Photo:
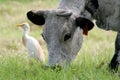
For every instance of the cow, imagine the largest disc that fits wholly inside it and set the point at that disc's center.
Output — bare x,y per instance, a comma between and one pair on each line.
65,26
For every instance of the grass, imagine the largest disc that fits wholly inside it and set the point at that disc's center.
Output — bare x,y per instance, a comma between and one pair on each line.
98,48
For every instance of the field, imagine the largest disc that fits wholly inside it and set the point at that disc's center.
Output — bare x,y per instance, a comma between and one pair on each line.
90,64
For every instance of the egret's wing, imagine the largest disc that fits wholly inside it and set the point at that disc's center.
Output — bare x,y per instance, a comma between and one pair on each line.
34,49
31,47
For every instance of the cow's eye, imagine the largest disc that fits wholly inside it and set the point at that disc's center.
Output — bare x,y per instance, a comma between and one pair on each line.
43,36
67,36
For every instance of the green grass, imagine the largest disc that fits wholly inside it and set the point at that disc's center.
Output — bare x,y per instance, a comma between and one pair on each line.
90,64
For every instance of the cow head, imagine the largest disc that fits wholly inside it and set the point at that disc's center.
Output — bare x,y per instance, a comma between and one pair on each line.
63,33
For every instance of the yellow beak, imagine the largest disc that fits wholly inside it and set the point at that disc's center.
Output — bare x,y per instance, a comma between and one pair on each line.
20,25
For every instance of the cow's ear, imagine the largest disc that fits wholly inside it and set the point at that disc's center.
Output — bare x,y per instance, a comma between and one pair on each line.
36,17
85,24
92,6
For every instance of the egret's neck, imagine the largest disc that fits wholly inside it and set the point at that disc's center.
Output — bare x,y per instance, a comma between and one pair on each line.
25,33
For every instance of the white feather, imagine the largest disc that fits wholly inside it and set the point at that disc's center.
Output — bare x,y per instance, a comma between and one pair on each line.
33,47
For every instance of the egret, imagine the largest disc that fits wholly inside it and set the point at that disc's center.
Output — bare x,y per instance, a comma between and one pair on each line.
33,47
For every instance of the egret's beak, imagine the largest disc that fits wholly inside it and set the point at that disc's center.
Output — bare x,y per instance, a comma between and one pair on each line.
20,25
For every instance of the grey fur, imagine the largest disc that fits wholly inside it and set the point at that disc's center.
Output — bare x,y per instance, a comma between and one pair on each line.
108,15
54,30
59,22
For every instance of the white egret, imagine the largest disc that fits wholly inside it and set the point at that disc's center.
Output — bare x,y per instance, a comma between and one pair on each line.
33,47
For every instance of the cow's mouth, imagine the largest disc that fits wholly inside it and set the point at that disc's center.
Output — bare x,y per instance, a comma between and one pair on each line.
55,67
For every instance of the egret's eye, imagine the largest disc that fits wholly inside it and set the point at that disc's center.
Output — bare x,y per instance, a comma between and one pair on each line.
67,36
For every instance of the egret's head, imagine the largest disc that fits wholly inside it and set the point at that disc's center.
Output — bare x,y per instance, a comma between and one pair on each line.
25,26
